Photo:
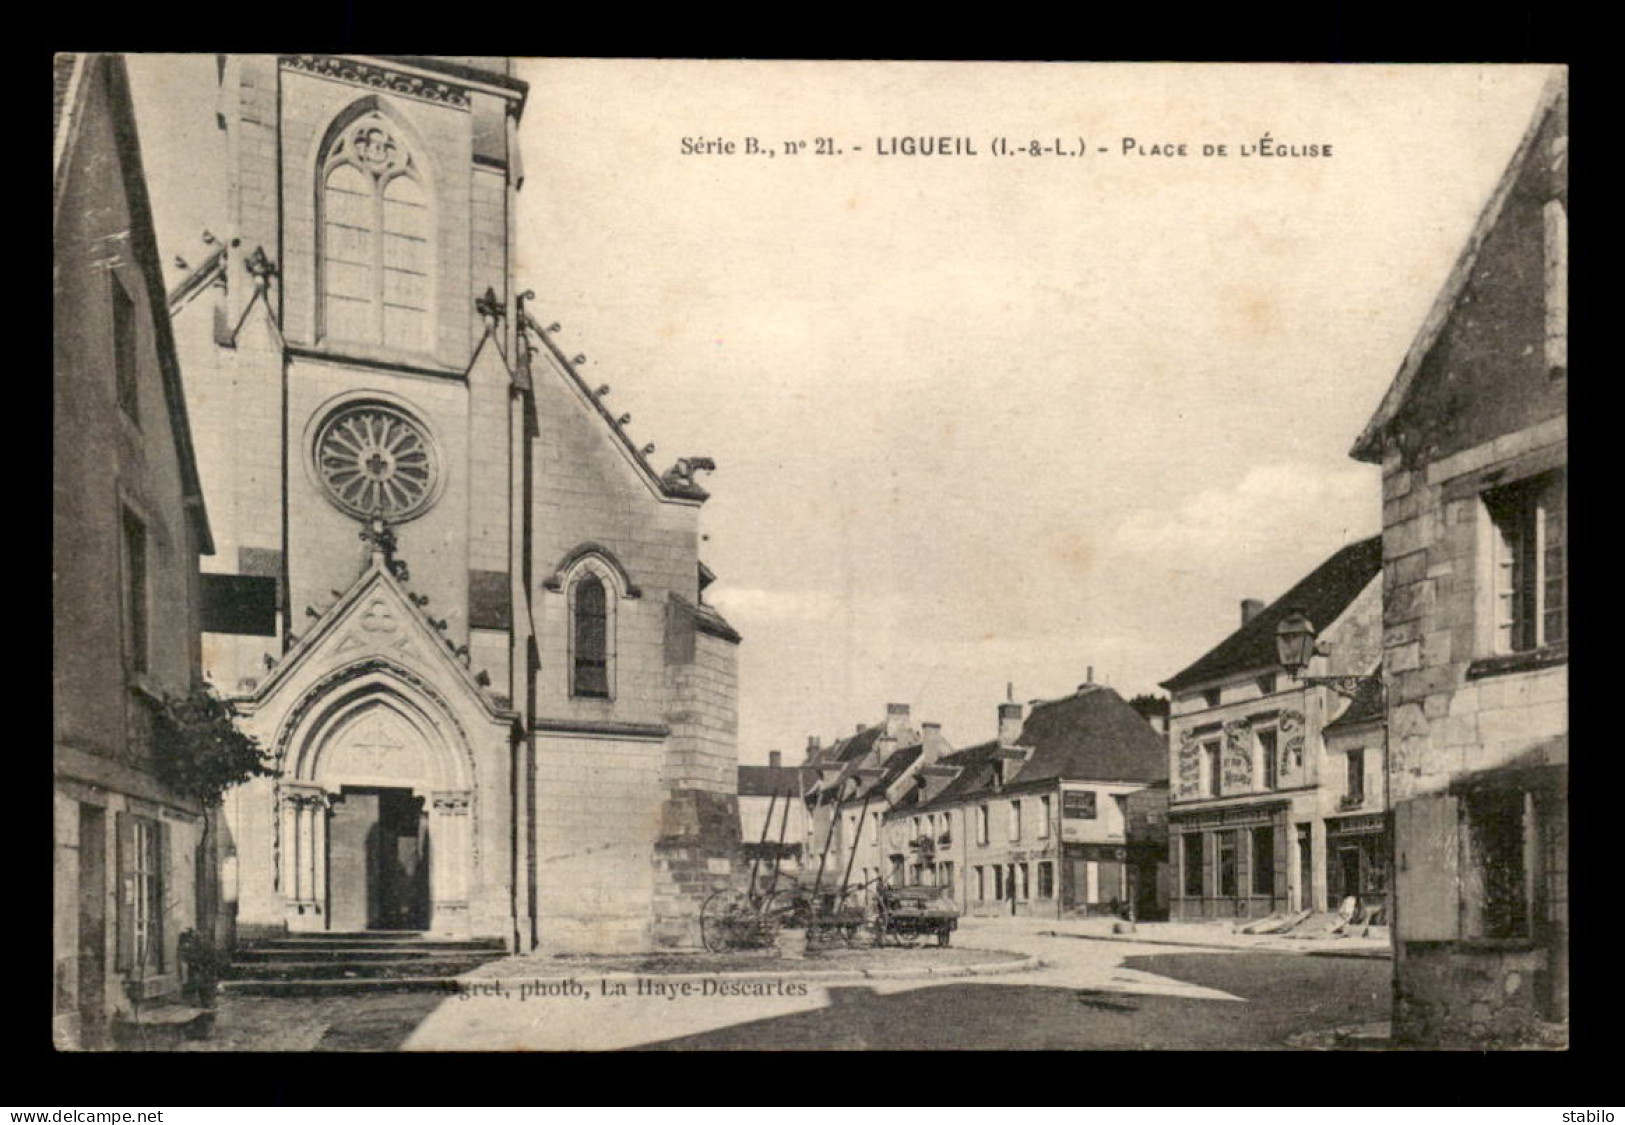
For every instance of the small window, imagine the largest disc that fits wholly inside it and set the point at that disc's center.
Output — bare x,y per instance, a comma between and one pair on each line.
998,882
1356,777
1531,563
1266,684
1078,804
1264,860
1046,879
1268,764
981,824
981,884
1015,821
1211,697
135,591
1024,889
125,352
1045,811
1192,855
591,651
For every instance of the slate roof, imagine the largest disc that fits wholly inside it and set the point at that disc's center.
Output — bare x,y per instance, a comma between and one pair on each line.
1092,735
1323,596
769,781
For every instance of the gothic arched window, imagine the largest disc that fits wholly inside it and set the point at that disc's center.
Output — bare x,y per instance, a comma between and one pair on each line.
375,260
589,656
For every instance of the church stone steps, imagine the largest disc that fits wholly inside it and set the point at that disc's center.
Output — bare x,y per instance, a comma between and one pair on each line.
446,966
369,961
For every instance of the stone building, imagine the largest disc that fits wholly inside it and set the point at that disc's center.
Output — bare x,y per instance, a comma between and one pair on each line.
455,599
1263,816
1061,813
773,821
128,527
858,780
1472,439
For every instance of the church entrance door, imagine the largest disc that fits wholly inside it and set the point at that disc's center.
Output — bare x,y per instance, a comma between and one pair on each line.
378,860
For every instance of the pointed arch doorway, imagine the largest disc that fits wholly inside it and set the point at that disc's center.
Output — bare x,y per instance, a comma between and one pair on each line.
375,825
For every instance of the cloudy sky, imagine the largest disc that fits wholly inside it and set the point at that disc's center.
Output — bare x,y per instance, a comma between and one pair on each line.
979,419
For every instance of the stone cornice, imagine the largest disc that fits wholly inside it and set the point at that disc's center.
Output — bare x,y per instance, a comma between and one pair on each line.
374,77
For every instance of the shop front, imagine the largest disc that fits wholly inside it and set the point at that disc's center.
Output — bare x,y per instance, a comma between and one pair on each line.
1232,862
1357,851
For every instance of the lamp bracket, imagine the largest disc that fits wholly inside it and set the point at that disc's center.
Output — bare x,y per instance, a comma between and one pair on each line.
1346,686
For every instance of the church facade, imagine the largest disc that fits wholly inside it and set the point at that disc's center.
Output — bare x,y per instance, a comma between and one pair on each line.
459,605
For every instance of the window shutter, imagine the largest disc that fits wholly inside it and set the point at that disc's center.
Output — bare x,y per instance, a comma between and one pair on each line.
1427,886
1209,845
124,884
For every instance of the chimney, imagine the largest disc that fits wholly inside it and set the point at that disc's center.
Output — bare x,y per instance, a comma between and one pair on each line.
1250,608
930,743
814,745
896,719
1009,723
775,759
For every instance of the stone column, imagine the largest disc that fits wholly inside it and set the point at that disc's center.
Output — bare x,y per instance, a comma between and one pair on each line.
303,852
450,859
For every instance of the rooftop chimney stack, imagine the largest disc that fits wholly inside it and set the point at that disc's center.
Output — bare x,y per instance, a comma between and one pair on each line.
1009,723
896,719
930,743
775,759
814,745
1250,608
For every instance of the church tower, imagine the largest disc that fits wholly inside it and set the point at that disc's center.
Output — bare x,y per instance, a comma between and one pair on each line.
461,608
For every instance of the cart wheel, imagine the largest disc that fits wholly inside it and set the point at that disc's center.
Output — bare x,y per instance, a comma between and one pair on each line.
720,917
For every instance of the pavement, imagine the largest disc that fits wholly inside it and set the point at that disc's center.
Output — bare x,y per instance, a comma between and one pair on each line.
721,1011
1223,935
1165,986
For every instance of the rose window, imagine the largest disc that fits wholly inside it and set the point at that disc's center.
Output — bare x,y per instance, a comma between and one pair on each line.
376,461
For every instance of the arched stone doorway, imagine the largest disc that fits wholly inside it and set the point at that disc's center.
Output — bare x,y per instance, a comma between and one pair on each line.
375,810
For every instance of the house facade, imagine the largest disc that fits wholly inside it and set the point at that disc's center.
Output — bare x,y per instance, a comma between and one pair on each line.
1259,809
462,608
860,778
131,869
1472,440
773,823
1062,813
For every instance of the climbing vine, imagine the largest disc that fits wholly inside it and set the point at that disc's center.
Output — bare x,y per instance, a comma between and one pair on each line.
198,750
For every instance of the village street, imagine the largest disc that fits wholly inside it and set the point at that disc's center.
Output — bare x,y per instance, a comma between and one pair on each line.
1089,994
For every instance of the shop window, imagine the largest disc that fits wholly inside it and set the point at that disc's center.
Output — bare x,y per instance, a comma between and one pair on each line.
1046,879
1531,563
1264,860
141,895
1227,863
1192,854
